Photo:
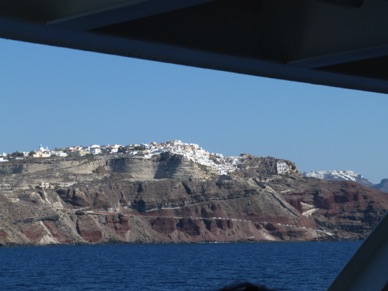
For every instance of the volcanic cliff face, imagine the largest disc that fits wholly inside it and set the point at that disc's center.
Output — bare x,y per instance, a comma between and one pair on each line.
169,197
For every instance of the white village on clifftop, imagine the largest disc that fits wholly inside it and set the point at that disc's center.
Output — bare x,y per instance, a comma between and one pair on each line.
190,151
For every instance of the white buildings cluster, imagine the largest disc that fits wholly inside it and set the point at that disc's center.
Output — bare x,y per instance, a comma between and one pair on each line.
190,151
44,152
335,175
282,167
78,151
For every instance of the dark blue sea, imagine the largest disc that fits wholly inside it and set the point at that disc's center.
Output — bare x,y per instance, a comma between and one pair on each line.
281,266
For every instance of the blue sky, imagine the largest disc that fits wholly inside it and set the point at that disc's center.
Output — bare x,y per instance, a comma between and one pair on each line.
60,97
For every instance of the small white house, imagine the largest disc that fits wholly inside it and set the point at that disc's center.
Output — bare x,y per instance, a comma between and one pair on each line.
43,149
114,150
282,167
60,154
95,151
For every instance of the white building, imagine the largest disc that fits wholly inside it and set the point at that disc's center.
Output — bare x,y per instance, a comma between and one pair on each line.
43,149
60,154
114,148
95,151
282,167
40,154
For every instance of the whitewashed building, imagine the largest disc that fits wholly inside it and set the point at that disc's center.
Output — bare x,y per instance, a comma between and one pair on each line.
60,154
95,150
282,167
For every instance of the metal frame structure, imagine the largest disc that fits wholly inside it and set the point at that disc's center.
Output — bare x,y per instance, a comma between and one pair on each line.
341,43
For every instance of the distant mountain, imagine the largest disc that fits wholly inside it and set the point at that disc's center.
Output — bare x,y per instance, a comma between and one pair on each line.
382,186
335,175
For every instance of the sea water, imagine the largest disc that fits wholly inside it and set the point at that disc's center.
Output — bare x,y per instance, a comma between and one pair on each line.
209,266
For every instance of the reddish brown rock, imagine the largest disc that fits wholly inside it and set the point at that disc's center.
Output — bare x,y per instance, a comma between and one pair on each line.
88,229
74,197
347,209
60,234
189,226
33,232
3,235
211,225
164,225
118,222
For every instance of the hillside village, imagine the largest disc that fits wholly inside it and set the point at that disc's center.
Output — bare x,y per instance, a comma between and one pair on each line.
190,151
73,151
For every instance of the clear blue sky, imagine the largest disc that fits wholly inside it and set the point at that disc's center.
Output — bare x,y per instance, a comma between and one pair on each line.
60,97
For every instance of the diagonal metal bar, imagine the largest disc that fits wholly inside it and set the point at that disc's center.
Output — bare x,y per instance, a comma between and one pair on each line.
368,268
124,13
341,58
91,41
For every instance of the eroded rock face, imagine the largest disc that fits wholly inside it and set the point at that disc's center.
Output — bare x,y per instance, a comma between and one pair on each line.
88,229
163,166
170,199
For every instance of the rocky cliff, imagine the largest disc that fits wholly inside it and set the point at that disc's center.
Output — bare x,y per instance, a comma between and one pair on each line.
168,197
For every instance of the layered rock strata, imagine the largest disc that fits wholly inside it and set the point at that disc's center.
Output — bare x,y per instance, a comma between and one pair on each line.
169,197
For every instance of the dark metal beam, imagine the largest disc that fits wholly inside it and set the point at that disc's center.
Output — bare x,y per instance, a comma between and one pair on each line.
48,10
341,58
56,36
123,13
